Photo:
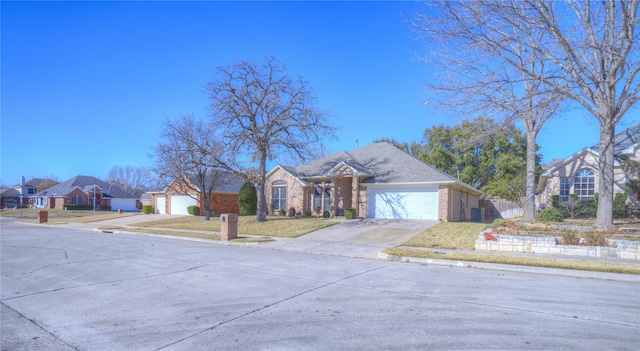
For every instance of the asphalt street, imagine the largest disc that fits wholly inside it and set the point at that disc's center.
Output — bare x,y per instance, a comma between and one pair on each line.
67,289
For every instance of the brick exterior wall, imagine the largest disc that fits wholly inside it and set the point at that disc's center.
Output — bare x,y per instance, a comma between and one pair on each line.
296,195
224,203
443,203
450,207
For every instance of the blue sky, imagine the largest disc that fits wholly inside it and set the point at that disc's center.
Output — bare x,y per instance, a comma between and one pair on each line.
86,85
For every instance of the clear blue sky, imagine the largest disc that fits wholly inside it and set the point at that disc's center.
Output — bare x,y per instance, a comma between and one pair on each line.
85,85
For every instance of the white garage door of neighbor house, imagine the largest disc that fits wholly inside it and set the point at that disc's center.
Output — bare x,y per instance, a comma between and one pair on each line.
160,205
407,203
123,204
179,203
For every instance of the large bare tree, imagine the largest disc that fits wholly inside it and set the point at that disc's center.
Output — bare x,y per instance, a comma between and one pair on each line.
483,69
594,44
263,113
589,54
188,157
135,180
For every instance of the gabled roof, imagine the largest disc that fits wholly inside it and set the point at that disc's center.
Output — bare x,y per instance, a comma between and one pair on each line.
624,140
9,192
381,162
226,183
85,183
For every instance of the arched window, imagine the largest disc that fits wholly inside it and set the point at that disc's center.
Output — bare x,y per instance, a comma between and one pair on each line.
585,184
279,195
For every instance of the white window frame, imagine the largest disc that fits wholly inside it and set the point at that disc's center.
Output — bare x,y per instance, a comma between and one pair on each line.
584,184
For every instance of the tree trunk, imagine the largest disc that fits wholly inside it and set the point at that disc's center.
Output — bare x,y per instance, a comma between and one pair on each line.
604,218
530,188
261,211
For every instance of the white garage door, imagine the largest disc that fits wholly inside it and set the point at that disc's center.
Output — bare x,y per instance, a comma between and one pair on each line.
160,205
123,204
179,203
408,203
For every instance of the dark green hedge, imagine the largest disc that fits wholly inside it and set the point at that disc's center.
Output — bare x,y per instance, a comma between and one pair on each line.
78,207
349,213
193,210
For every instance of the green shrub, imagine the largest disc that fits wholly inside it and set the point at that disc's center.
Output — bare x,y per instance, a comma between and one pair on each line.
147,209
193,210
499,222
587,208
105,208
78,207
248,200
326,214
282,212
307,213
555,201
620,205
550,214
350,213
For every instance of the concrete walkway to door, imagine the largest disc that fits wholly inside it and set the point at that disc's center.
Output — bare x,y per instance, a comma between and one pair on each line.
363,238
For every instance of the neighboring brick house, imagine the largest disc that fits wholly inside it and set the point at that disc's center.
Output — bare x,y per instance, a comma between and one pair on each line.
579,173
175,198
11,197
379,181
87,190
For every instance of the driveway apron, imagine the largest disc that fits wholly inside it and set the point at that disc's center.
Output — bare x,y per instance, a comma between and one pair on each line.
363,238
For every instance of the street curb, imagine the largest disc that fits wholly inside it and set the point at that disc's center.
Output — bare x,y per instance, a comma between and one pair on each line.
632,278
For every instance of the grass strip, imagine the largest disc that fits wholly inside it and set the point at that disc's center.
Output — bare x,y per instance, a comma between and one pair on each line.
448,235
207,236
282,227
584,265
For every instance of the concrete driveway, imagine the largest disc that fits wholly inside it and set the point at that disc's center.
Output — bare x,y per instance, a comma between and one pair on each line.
363,238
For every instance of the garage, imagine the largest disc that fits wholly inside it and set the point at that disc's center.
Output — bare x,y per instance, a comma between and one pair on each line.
123,204
406,203
160,207
178,204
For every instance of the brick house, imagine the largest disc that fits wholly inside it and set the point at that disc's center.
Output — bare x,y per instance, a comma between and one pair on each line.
378,181
176,197
579,173
86,190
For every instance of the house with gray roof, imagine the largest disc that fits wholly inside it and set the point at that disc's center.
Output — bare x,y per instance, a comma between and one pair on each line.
378,181
21,194
579,173
88,191
185,192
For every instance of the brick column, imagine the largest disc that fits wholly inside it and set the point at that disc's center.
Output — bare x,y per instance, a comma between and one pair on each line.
43,216
228,226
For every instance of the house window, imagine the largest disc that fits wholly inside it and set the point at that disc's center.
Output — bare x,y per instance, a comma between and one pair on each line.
585,184
320,202
565,186
77,200
279,195
31,191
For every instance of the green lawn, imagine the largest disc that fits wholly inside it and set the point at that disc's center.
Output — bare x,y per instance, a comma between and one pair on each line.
283,227
65,215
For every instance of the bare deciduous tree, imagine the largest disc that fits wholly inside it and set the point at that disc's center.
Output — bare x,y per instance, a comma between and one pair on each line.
188,156
135,180
594,44
486,67
263,113
49,181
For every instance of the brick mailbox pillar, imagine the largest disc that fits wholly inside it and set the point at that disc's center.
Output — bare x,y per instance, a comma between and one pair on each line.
43,217
228,226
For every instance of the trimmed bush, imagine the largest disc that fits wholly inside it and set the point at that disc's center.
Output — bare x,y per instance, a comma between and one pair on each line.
550,214
620,205
147,209
193,210
248,200
307,213
105,208
326,214
282,212
78,207
350,213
